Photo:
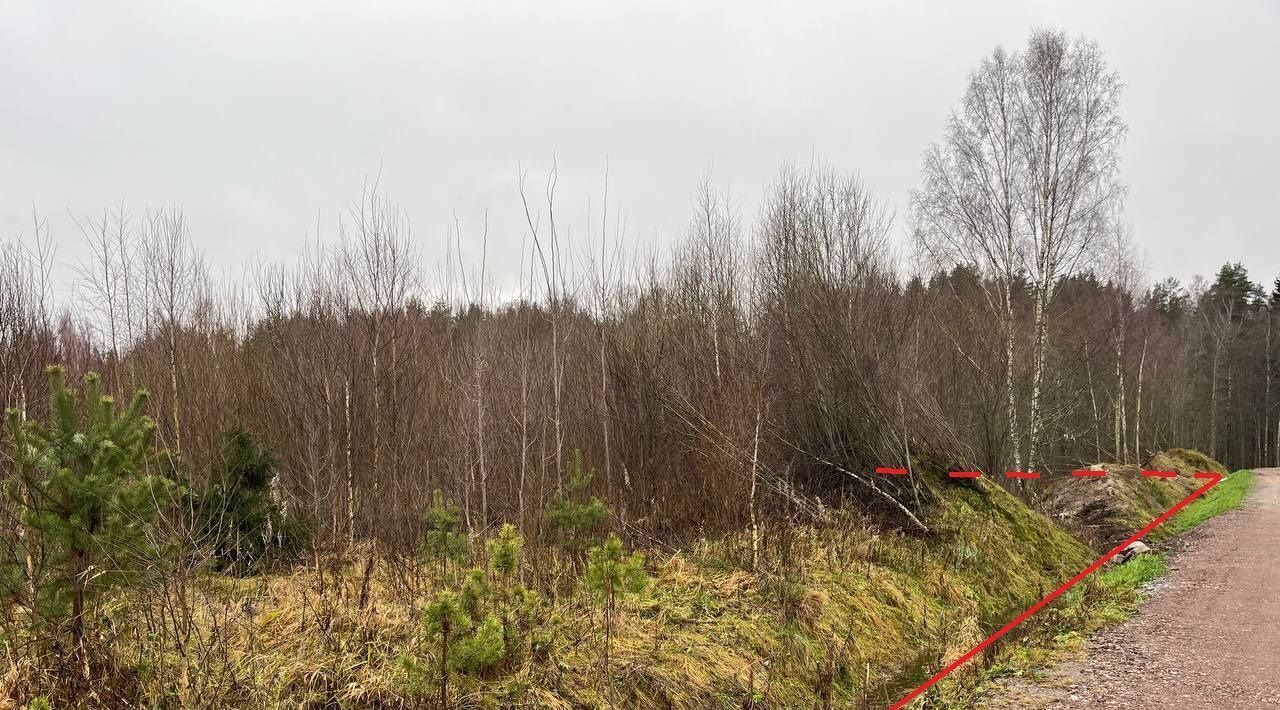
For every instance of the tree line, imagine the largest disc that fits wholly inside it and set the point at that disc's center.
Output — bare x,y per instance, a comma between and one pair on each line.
758,371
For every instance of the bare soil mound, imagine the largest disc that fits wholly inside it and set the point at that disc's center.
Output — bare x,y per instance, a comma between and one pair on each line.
1106,510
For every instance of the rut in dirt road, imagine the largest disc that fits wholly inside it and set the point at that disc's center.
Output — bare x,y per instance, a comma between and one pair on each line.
1209,638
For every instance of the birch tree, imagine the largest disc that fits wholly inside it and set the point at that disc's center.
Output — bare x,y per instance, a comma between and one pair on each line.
1069,132
380,263
967,209
175,274
1125,276
1022,183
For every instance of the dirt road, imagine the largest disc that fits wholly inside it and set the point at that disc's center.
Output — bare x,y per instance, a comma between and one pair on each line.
1209,637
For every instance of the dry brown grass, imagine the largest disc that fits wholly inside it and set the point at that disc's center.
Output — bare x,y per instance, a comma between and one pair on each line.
833,608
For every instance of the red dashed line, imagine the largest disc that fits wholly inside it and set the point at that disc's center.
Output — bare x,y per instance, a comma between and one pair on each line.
891,470
1029,475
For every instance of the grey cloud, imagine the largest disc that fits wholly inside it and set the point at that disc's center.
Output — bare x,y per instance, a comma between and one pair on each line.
256,116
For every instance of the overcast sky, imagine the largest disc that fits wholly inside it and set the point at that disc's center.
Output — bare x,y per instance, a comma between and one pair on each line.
260,117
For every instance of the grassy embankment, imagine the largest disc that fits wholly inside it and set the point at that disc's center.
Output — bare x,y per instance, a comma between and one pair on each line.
852,615
841,615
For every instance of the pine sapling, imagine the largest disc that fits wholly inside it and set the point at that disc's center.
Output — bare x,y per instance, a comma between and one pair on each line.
504,560
610,575
444,541
574,514
81,488
445,621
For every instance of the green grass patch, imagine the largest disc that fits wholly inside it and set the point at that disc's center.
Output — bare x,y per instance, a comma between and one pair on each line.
1122,587
1224,497
1139,571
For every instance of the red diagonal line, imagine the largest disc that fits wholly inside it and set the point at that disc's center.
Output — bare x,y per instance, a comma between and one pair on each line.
892,470
1160,474
1089,473
1021,474
1214,479
965,474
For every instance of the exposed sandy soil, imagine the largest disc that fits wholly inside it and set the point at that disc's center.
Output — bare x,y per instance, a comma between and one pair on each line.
1209,636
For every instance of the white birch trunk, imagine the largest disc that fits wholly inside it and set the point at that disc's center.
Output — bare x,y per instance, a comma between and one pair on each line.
351,473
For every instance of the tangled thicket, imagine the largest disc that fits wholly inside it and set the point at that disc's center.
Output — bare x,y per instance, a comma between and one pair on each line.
761,371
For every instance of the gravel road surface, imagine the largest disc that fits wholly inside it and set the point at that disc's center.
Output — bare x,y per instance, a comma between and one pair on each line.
1209,636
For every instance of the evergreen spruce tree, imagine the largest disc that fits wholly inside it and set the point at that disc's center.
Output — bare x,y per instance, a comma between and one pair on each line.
239,514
